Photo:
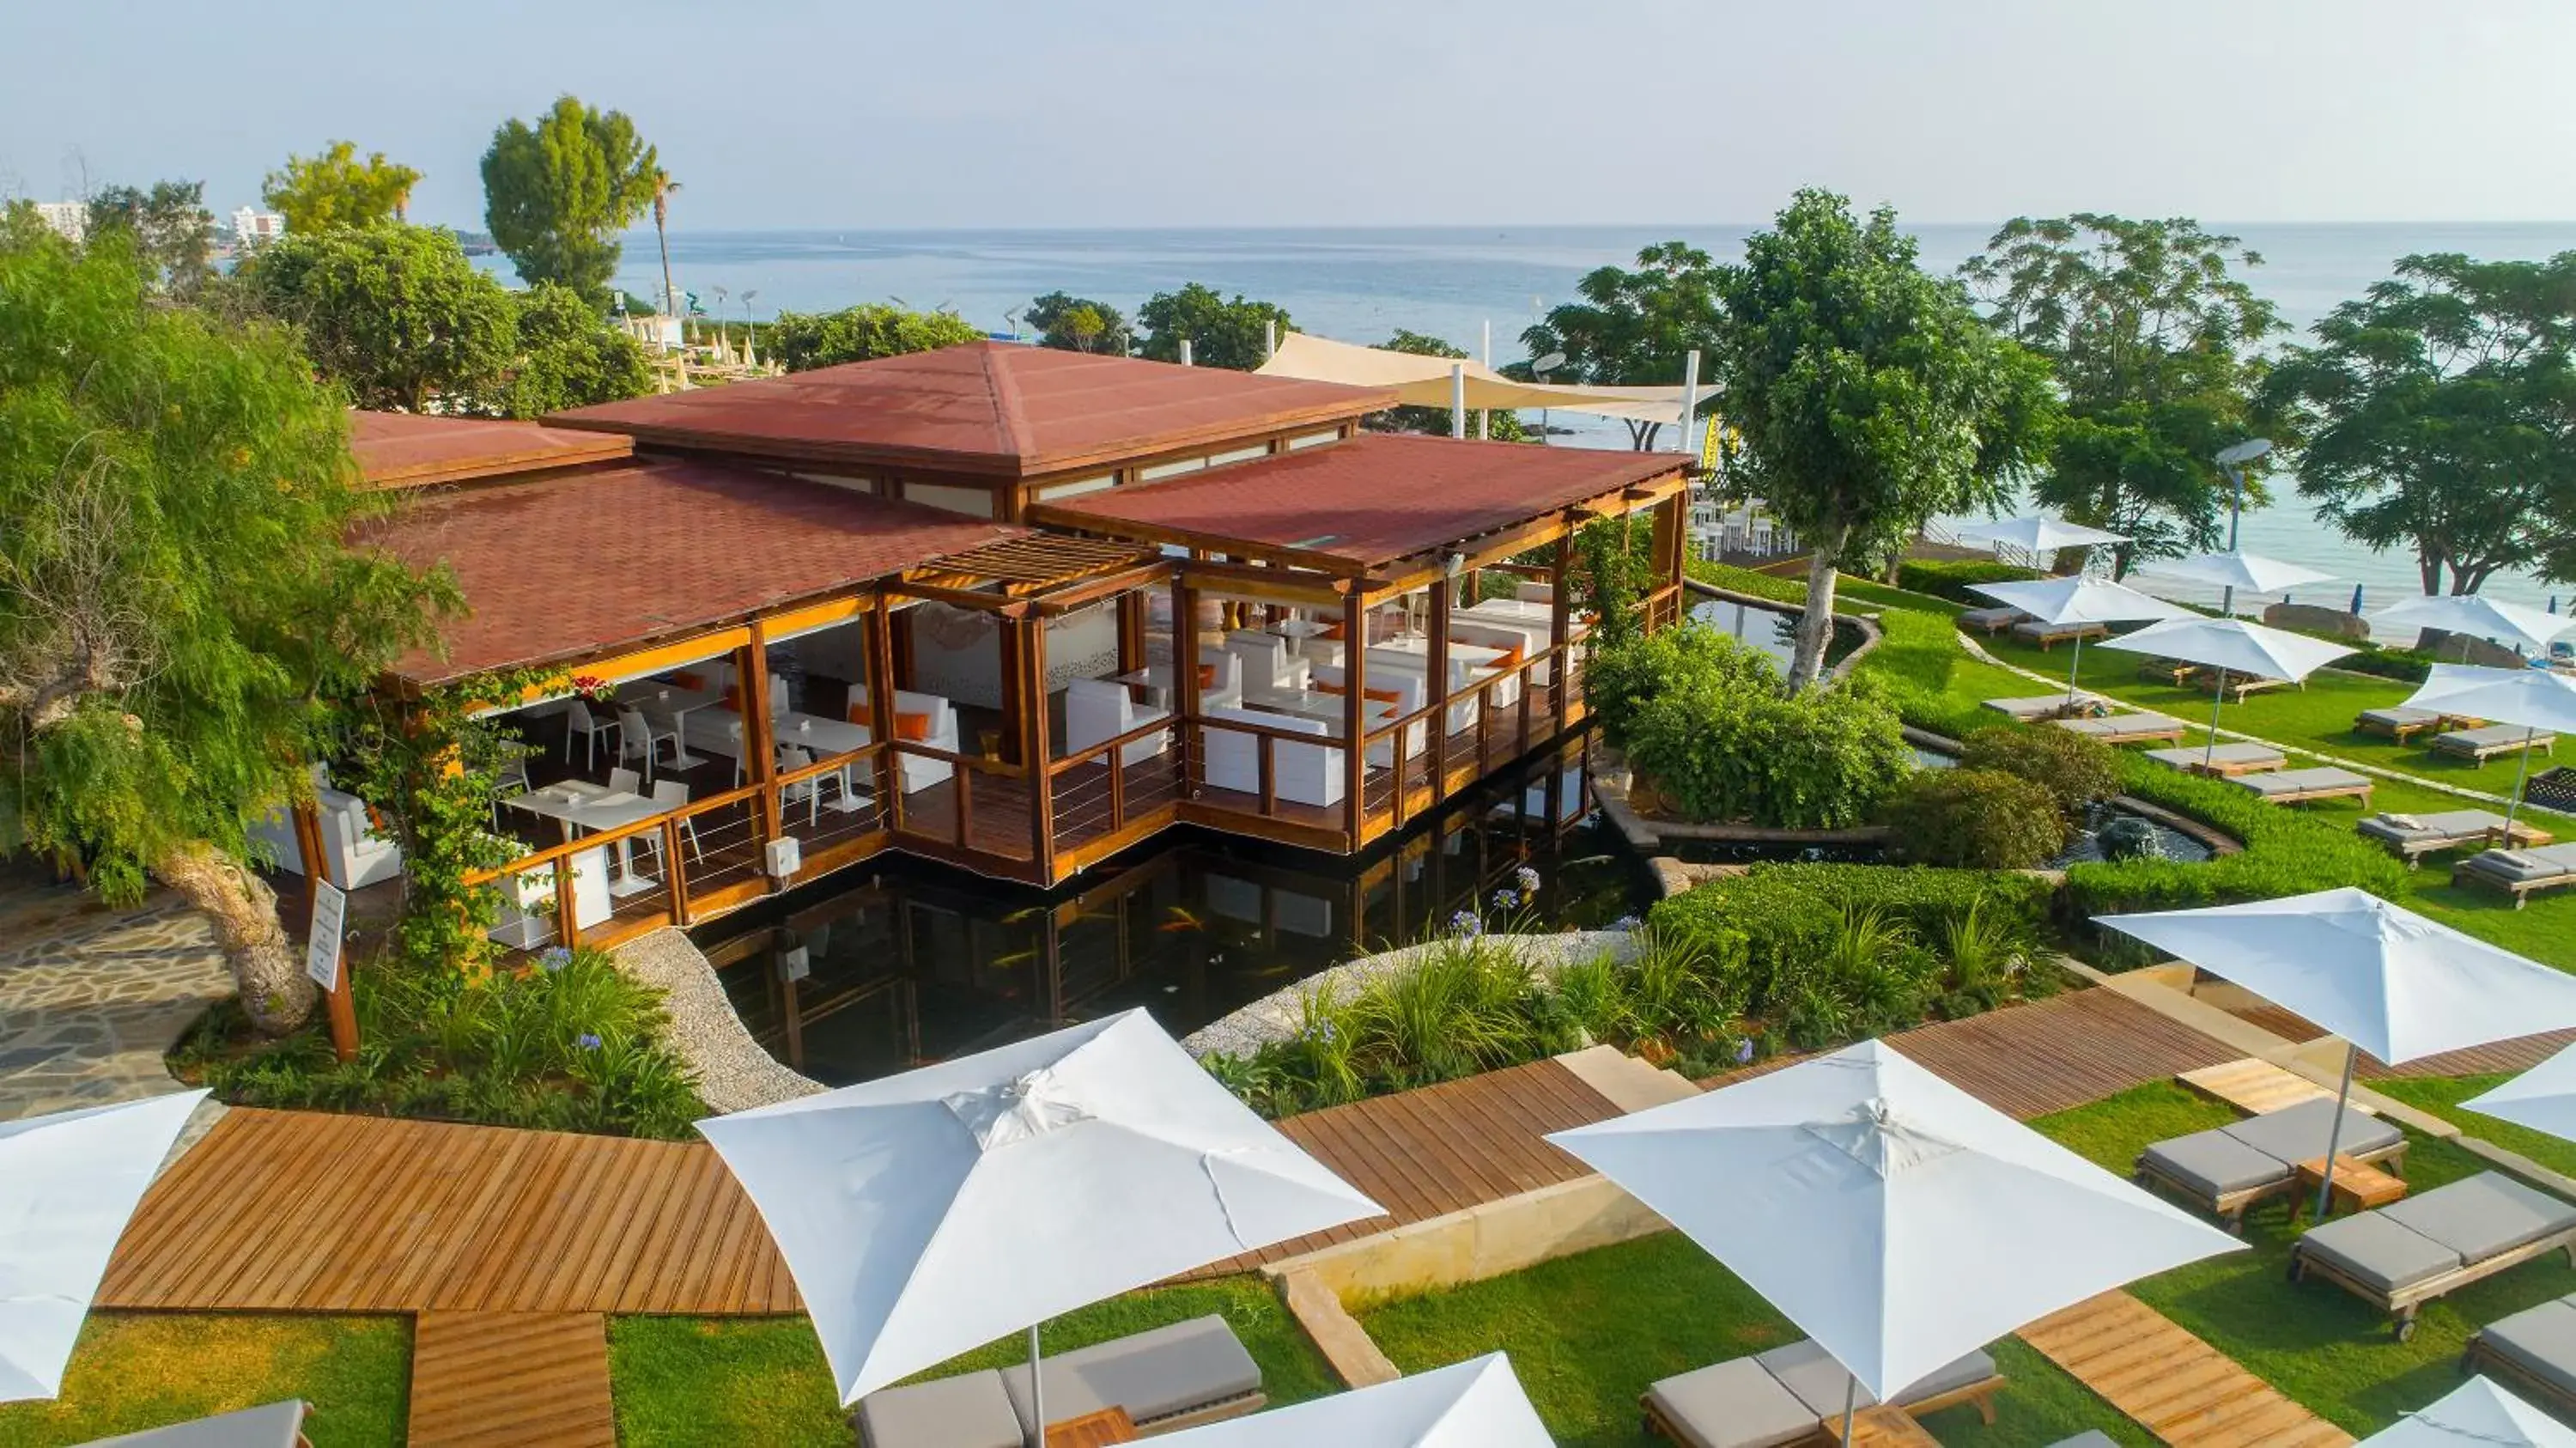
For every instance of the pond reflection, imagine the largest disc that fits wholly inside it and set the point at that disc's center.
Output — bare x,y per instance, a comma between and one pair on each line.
916,962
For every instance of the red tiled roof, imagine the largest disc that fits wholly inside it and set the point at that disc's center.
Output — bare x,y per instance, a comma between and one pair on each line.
564,569
1371,500
406,450
995,408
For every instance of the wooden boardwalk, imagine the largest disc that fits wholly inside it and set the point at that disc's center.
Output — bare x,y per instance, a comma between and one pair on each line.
2254,1086
290,1211
511,1380
2503,1057
2173,1384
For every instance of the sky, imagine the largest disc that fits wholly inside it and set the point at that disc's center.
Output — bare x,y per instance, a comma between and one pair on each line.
1159,113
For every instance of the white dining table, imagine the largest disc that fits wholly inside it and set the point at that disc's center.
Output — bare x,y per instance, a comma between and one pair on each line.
669,703
1297,630
1320,705
579,805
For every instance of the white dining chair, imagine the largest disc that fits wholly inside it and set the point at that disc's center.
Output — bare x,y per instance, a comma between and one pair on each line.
636,735
509,783
733,732
671,794
578,720
809,792
625,781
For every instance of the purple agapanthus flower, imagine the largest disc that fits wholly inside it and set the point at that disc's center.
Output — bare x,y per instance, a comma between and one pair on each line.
1507,900
1744,1052
554,958
1626,922
1528,878
1467,923
587,1041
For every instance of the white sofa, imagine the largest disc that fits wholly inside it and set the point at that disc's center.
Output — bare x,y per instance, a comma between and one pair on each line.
1412,690
1097,711
358,855
1305,773
1266,661
918,773
1530,639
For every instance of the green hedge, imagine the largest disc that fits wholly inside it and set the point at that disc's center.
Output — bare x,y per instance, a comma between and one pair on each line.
2286,852
1791,591
1778,922
1916,655
1949,578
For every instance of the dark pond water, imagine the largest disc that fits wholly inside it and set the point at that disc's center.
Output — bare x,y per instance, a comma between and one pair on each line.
915,962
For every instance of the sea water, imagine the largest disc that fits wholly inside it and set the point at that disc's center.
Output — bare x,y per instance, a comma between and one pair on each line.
1359,285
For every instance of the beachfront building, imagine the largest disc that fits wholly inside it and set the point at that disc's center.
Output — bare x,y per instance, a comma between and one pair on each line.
1008,609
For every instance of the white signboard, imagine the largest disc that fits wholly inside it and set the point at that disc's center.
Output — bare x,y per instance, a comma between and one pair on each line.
322,955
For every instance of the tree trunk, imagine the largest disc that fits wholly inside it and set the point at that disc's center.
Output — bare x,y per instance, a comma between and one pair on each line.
275,992
670,297
1816,626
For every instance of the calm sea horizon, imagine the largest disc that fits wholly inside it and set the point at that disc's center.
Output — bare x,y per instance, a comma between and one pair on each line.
1360,284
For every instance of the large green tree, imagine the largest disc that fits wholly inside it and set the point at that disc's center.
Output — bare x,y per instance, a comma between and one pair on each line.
556,194
334,188
178,614
1865,396
394,314
1221,333
1635,328
1502,426
2156,341
566,356
2439,414
801,341
1076,324
166,225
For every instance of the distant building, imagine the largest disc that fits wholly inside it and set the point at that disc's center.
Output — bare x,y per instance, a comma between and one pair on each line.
70,219
256,228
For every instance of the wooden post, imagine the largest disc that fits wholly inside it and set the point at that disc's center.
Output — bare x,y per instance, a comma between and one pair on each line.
880,663
1667,551
1131,631
1034,746
1560,623
760,753
1015,682
1439,752
340,1007
1355,710
1185,673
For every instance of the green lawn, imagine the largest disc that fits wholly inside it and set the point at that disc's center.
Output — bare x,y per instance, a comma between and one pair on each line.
694,1380
2441,1096
2315,1342
134,1371
1589,1333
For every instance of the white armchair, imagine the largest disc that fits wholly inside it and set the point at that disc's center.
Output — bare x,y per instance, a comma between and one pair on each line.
1266,663
1303,773
1097,711
528,901
358,855
1227,691
1412,693
918,773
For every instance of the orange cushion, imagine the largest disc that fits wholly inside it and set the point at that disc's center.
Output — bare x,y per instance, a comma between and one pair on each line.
689,679
859,714
912,726
1207,676
1511,658
1383,696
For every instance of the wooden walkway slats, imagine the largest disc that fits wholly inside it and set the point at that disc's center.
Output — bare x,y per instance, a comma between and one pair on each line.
302,1212
2500,1058
2173,1384
2059,1053
511,1380
2254,1086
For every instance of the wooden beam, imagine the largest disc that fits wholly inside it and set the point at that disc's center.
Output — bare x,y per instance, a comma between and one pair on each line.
1355,647
1071,516
759,754
957,597
816,615
1560,618
1090,591
1033,704
1296,588
881,676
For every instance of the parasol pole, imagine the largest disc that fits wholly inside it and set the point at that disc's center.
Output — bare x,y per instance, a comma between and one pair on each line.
1037,1392
2334,1133
2521,777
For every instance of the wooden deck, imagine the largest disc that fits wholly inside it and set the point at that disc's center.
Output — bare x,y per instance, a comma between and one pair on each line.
2500,1058
2254,1086
2059,1053
2176,1386
279,1211
1426,1153
511,1380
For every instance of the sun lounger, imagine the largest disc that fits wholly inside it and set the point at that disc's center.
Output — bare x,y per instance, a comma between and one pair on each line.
2238,685
1993,620
1172,1377
2035,708
2240,758
2047,634
2126,728
2228,1169
2291,786
2089,1438
2532,1353
1786,1394
2482,745
2401,724
2519,872
2412,837
2401,1256
278,1425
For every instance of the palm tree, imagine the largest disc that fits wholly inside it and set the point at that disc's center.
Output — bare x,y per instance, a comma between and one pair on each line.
660,183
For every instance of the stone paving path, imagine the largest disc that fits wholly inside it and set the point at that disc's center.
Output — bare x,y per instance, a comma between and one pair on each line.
91,998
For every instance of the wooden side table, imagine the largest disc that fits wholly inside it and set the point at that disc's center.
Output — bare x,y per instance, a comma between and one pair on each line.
2358,1186
1880,1427
1093,1430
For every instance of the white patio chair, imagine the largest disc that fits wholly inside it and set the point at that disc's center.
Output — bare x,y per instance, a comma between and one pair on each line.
671,794
625,781
809,792
509,784
579,723
636,735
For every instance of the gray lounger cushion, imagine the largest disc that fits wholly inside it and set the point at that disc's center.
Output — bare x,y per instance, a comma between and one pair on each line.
2547,862
272,1426
1152,1375
961,1412
2493,736
2239,753
2295,1134
2483,1216
2401,718
1733,1404
2539,1340
2122,724
2001,613
2449,824
2372,1249
2089,1438
2214,1164
1820,1382
2301,781
2034,629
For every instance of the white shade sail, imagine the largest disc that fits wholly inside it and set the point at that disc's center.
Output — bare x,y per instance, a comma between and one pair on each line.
2486,618
2081,600
2377,974
1422,381
2246,572
2476,1414
69,1182
1896,1219
1474,1404
932,1212
2542,1098
2234,645
2533,698
2037,534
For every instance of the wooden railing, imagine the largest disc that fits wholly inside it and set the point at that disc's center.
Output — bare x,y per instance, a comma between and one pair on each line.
919,815
1089,807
